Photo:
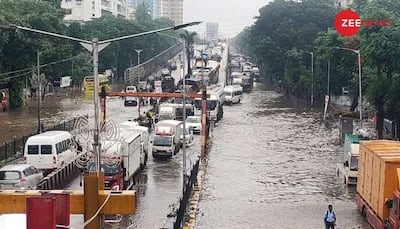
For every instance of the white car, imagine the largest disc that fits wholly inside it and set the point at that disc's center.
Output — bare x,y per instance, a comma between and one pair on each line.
19,176
194,122
131,89
188,135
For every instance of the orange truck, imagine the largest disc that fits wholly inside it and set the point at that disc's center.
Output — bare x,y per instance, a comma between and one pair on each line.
378,190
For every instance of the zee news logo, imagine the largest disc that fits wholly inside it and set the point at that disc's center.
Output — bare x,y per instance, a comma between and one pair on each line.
348,22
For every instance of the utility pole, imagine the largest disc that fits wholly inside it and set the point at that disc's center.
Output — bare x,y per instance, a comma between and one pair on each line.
360,88
39,92
138,83
184,127
329,77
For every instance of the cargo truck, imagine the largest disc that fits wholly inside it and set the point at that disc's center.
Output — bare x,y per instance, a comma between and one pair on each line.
121,161
166,142
349,166
378,190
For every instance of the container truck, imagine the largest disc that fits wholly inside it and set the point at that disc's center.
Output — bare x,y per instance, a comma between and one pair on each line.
166,142
378,190
121,161
144,135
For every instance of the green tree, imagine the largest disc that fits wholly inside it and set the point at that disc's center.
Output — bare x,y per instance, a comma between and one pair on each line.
188,37
382,54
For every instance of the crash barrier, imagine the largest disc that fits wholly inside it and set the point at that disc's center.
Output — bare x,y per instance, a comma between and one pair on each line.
151,66
14,149
59,177
177,217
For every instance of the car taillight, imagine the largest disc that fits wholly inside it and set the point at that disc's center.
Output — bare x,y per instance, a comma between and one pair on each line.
22,180
54,160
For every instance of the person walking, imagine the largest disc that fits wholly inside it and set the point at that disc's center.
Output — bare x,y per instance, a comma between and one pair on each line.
330,218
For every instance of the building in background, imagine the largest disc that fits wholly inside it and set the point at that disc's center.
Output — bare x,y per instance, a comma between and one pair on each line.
211,31
84,10
171,9
148,3
343,3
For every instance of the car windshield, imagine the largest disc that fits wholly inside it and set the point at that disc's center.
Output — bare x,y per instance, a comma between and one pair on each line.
107,169
193,120
10,175
228,93
354,163
162,141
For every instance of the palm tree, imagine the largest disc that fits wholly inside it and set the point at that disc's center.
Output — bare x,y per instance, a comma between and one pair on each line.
189,39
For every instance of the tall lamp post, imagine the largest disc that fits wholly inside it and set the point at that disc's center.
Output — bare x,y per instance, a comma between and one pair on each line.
138,51
359,77
182,72
312,77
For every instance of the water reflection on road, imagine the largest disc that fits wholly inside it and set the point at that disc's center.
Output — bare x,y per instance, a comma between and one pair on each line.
273,166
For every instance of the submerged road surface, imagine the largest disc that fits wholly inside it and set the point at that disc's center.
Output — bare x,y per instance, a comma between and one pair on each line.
273,166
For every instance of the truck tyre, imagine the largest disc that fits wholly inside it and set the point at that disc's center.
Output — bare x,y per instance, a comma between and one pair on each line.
387,225
363,211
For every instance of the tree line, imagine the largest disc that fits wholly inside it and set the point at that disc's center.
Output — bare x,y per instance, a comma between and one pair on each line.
18,49
286,32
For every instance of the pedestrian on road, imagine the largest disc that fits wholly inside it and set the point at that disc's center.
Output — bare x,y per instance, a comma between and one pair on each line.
330,218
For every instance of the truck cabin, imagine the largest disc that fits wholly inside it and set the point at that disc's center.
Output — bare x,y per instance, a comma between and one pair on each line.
113,174
211,104
164,136
351,158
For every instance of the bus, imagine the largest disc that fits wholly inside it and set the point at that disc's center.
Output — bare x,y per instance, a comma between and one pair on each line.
214,103
88,83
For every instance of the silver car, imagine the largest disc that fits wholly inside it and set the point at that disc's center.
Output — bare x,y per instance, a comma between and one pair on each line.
194,122
19,176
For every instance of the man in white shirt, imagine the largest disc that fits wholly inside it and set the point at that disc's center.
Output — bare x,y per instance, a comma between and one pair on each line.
330,218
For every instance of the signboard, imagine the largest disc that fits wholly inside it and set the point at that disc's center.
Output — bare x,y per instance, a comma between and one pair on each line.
66,81
326,106
157,86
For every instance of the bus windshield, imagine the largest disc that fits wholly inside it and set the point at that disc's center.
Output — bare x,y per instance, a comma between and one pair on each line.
211,104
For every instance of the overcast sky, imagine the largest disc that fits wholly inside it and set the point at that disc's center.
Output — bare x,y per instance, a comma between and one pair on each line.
231,15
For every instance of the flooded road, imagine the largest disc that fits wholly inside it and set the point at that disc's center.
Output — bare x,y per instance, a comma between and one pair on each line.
273,166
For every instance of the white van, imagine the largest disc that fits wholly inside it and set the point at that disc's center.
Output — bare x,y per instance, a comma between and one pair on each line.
49,150
233,94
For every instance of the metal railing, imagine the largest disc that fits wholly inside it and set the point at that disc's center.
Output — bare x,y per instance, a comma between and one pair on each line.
12,150
151,66
177,216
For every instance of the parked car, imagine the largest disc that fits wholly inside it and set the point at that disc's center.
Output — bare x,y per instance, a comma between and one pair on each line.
130,101
19,176
194,122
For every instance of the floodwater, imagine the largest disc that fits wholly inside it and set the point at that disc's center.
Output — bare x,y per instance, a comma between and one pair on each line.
161,181
272,165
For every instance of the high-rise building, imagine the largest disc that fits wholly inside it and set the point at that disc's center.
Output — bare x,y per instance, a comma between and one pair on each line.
84,10
171,9
343,3
211,31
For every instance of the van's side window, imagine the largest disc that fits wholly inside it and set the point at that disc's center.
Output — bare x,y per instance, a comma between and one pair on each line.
58,148
45,149
33,149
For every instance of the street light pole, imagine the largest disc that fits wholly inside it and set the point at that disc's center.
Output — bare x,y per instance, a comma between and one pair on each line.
39,94
360,88
138,51
312,77
359,79
184,128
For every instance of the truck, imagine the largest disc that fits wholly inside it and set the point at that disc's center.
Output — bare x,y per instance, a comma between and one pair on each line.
349,166
167,111
121,161
144,134
378,190
166,142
